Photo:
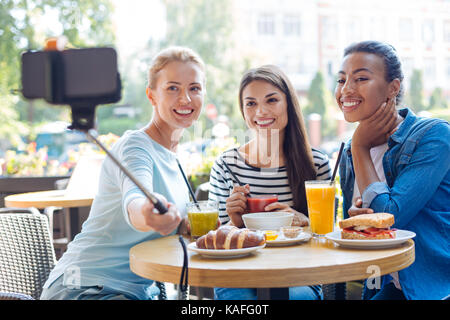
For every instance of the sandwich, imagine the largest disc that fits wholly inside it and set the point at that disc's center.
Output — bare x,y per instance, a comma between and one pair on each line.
371,226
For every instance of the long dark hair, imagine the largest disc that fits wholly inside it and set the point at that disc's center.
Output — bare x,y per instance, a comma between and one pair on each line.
392,64
296,147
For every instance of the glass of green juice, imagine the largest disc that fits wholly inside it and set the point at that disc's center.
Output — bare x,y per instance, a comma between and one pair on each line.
202,216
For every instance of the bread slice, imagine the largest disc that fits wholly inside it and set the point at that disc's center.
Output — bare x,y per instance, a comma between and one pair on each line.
377,220
359,236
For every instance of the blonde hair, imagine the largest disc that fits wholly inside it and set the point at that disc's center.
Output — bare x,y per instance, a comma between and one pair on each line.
168,55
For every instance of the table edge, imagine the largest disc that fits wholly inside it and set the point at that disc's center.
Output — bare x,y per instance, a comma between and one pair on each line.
68,202
291,276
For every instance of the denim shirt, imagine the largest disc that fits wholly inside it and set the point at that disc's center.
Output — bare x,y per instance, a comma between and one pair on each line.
417,193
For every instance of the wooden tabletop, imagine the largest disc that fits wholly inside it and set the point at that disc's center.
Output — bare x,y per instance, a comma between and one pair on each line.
316,262
80,191
43,199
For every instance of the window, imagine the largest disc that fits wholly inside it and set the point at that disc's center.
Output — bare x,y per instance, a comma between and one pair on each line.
447,31
353,30
448,68
291,25
302,66
329,29
428,31
266,24
378,30
429,70
407,66
406,29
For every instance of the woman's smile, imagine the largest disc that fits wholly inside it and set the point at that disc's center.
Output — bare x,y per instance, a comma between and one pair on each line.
349,104
178,94
265,106
264,122
361,86
184,112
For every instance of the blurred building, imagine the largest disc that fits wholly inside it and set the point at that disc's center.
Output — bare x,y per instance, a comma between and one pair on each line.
304,36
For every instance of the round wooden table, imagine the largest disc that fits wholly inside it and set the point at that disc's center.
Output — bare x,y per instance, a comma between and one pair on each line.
318,261
44,199
54,198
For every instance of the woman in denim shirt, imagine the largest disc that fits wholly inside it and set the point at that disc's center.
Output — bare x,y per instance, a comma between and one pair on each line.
401,163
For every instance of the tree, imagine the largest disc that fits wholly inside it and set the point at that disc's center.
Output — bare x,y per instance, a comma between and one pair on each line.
206,26
320,102
415,97
86,22
10,127
437,100
317,96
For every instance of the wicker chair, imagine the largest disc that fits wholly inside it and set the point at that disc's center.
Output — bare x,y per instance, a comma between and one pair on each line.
14,296
26,253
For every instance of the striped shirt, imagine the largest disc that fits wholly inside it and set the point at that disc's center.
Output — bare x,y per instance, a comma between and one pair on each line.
261,180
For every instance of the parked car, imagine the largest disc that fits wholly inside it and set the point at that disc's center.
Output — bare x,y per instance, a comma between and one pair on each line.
58,139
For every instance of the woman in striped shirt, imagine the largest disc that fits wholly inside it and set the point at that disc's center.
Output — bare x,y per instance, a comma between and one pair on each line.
261,181
277,160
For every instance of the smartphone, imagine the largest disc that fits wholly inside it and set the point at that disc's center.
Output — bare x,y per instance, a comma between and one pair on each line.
71,76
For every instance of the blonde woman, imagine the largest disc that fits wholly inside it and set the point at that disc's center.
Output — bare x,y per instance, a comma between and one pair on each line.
96,263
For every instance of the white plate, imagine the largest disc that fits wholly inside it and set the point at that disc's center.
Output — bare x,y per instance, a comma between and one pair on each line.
282,241
400,237
222,253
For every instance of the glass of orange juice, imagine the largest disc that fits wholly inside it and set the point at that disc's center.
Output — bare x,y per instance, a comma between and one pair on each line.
320,195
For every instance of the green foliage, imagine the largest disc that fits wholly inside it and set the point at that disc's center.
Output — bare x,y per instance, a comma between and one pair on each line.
415,97
317,95
320,101
198,166
441,113
10,127
437,100
134,83
84,22
116,126
206,26
32,162
35,162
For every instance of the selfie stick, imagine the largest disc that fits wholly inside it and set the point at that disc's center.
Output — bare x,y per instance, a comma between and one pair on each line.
52,70
91,134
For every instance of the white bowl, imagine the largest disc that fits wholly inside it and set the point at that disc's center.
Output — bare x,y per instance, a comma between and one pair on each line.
267,220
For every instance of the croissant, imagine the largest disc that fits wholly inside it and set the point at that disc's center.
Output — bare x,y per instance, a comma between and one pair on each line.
230,237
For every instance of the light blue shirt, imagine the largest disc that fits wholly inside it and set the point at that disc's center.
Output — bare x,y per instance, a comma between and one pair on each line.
99,254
